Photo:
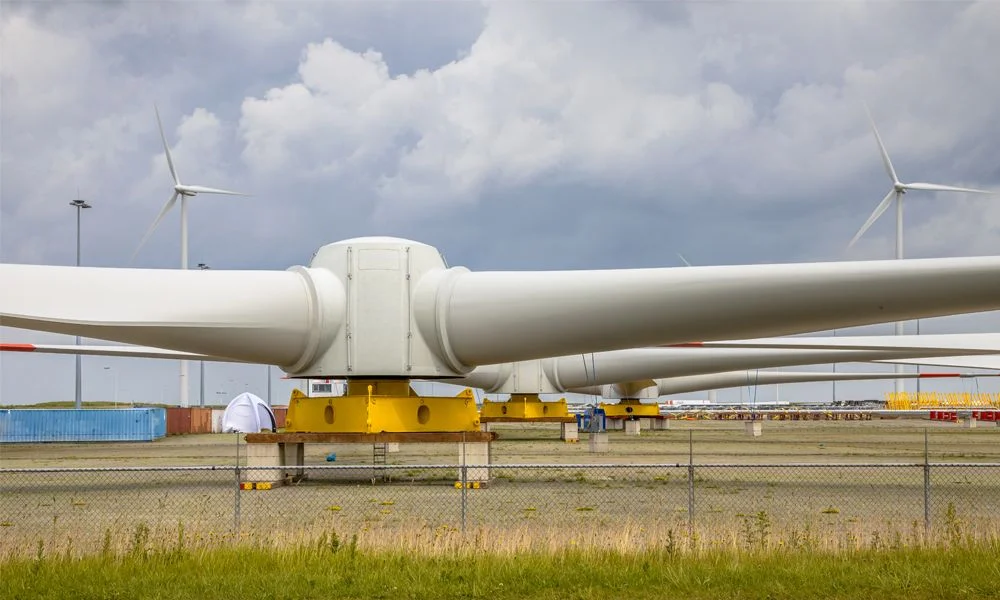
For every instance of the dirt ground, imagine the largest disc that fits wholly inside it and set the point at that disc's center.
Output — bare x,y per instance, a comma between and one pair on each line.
740,484
888,440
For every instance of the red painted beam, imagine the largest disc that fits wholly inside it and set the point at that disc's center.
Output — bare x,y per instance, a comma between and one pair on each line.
17,348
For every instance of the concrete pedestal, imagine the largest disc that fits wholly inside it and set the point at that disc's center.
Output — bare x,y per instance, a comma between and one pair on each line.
484,426
475,453
661,424
264,455
392,447
969,423
754,428
646,423
599,442
633,427
568,432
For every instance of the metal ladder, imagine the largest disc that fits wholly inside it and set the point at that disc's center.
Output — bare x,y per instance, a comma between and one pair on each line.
379,453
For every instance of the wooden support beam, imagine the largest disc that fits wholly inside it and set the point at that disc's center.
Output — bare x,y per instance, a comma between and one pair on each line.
409,437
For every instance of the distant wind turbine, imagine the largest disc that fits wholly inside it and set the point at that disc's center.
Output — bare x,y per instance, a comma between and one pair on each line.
896,193
898,189
183,192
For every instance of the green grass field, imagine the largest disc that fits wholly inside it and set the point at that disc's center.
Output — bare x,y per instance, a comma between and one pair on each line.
333,568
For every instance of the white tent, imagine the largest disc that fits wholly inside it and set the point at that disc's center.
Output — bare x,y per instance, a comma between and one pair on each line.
247,413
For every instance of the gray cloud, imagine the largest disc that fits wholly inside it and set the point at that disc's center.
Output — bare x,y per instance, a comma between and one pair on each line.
510,135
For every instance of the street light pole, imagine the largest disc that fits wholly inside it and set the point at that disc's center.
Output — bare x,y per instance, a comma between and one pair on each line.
114,377
833,398
918,367
78,399
201,366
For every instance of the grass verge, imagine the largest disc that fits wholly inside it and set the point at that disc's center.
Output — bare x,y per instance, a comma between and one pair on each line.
333,568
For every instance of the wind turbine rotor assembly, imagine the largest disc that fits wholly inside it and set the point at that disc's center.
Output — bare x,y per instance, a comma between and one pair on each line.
381,311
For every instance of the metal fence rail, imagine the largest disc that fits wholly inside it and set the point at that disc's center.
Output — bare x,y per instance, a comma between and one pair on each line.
84,507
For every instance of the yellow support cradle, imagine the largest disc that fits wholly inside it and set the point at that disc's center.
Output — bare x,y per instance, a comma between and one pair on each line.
525,407
375,406
629,407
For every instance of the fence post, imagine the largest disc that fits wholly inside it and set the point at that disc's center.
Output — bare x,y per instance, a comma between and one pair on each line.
236,501
927,488
690,483
465,485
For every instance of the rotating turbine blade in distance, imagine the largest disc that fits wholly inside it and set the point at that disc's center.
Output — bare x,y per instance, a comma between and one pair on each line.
149,232
166,148
933,187
200,189
881,208
881,148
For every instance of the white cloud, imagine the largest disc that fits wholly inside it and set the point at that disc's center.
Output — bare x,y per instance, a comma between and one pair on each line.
526,101
42,72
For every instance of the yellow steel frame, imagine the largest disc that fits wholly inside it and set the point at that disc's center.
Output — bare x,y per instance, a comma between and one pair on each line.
630,407
374,406
525,406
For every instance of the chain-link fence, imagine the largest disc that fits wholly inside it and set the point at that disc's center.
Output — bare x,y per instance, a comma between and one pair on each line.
88,508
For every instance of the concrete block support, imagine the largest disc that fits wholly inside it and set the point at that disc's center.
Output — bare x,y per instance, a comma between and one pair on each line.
661,424
599,442
569,432
475,453
754,428
392,447
264,455
969,423
293,454
633,427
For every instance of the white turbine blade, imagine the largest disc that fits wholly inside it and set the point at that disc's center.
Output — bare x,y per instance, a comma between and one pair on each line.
881,148
498,317
612,367
166,148
951,343
576,373
933,187
166,208
881,208
962,362
149,232
263,317
713,381
122,351
198,189
683,260
653,363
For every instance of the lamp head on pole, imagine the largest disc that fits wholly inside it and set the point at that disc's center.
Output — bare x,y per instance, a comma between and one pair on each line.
203,266
79,204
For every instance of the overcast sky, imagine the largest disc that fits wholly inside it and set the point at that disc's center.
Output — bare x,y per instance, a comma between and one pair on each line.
509,135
